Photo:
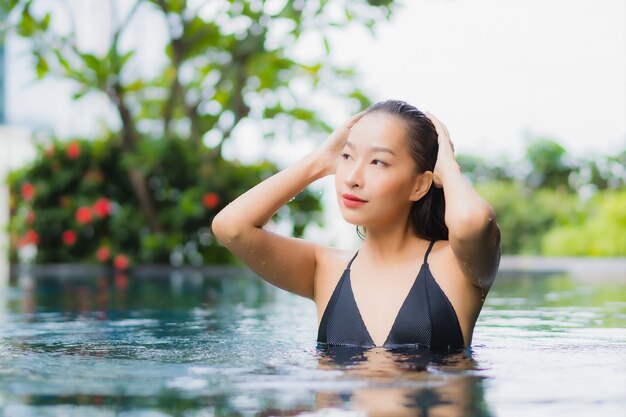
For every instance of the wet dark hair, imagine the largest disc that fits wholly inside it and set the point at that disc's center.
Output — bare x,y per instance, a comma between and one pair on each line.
427,214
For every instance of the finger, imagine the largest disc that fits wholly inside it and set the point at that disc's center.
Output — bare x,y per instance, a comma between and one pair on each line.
445,129
440,127
355,119
436,122
432,118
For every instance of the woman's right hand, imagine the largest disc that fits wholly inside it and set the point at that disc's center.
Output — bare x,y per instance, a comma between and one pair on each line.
330,150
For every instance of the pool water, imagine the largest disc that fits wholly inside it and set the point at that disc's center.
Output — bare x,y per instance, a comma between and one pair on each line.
545,345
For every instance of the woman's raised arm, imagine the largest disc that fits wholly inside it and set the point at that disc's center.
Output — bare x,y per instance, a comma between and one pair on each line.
473,232
285,262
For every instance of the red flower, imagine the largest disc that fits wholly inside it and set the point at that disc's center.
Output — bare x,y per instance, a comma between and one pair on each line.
73,150
69,237
28,191
32,237
102,207
120,262
83,215
211,200
103,253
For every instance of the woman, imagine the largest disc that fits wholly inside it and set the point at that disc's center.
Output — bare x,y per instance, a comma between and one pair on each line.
425,267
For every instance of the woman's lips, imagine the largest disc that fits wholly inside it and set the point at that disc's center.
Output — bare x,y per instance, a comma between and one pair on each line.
351,201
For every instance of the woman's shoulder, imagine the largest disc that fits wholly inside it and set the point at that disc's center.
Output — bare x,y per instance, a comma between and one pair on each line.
332,257
443,252
331,262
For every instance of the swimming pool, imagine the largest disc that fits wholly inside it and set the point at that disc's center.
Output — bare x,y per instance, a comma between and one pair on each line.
545,345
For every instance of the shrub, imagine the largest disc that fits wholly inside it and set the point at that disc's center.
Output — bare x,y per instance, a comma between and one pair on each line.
600,233
75,203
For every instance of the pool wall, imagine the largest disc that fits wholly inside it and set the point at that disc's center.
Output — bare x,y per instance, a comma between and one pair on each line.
605,269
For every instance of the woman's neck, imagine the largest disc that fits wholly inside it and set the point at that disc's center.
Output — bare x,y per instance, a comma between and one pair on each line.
391,245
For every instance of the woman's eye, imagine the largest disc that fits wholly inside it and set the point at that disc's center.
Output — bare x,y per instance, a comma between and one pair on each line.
345,156
378,162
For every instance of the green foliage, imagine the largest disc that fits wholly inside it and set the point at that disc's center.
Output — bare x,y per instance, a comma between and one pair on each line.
524,214
223,61
226,57
549,167
600,233
81,189
542,202
477,170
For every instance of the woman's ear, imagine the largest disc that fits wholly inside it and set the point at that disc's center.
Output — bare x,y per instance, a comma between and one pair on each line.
422,184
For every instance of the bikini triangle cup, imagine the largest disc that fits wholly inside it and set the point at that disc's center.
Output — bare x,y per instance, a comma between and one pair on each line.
425,319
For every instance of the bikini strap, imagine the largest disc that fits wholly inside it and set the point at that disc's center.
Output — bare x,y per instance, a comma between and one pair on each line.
350,263
432,242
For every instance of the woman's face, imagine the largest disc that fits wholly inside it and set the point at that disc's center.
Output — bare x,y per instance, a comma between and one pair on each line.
376,179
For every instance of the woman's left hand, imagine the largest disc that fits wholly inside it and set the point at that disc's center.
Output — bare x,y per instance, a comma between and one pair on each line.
445,156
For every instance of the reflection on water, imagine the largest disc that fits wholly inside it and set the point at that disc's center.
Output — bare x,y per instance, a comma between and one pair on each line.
405,382
194,346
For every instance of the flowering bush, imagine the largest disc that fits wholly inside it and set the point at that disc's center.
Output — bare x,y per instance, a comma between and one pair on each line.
75,203
149,193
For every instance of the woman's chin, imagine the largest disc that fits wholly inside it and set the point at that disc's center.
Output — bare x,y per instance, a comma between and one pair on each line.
352,219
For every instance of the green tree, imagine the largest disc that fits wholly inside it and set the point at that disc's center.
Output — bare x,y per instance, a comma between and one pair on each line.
477,170
601,173
599,233
216,67
549,165
551,204
525,214
224,61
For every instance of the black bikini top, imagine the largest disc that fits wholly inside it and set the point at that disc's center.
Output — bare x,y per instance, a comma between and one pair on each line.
426,318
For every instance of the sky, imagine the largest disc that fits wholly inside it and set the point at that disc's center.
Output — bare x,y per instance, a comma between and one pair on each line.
498,71
494,71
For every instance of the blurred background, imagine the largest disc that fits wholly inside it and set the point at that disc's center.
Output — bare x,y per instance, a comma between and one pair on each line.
126,125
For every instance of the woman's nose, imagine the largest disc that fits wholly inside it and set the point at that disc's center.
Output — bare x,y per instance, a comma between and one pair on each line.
354,176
